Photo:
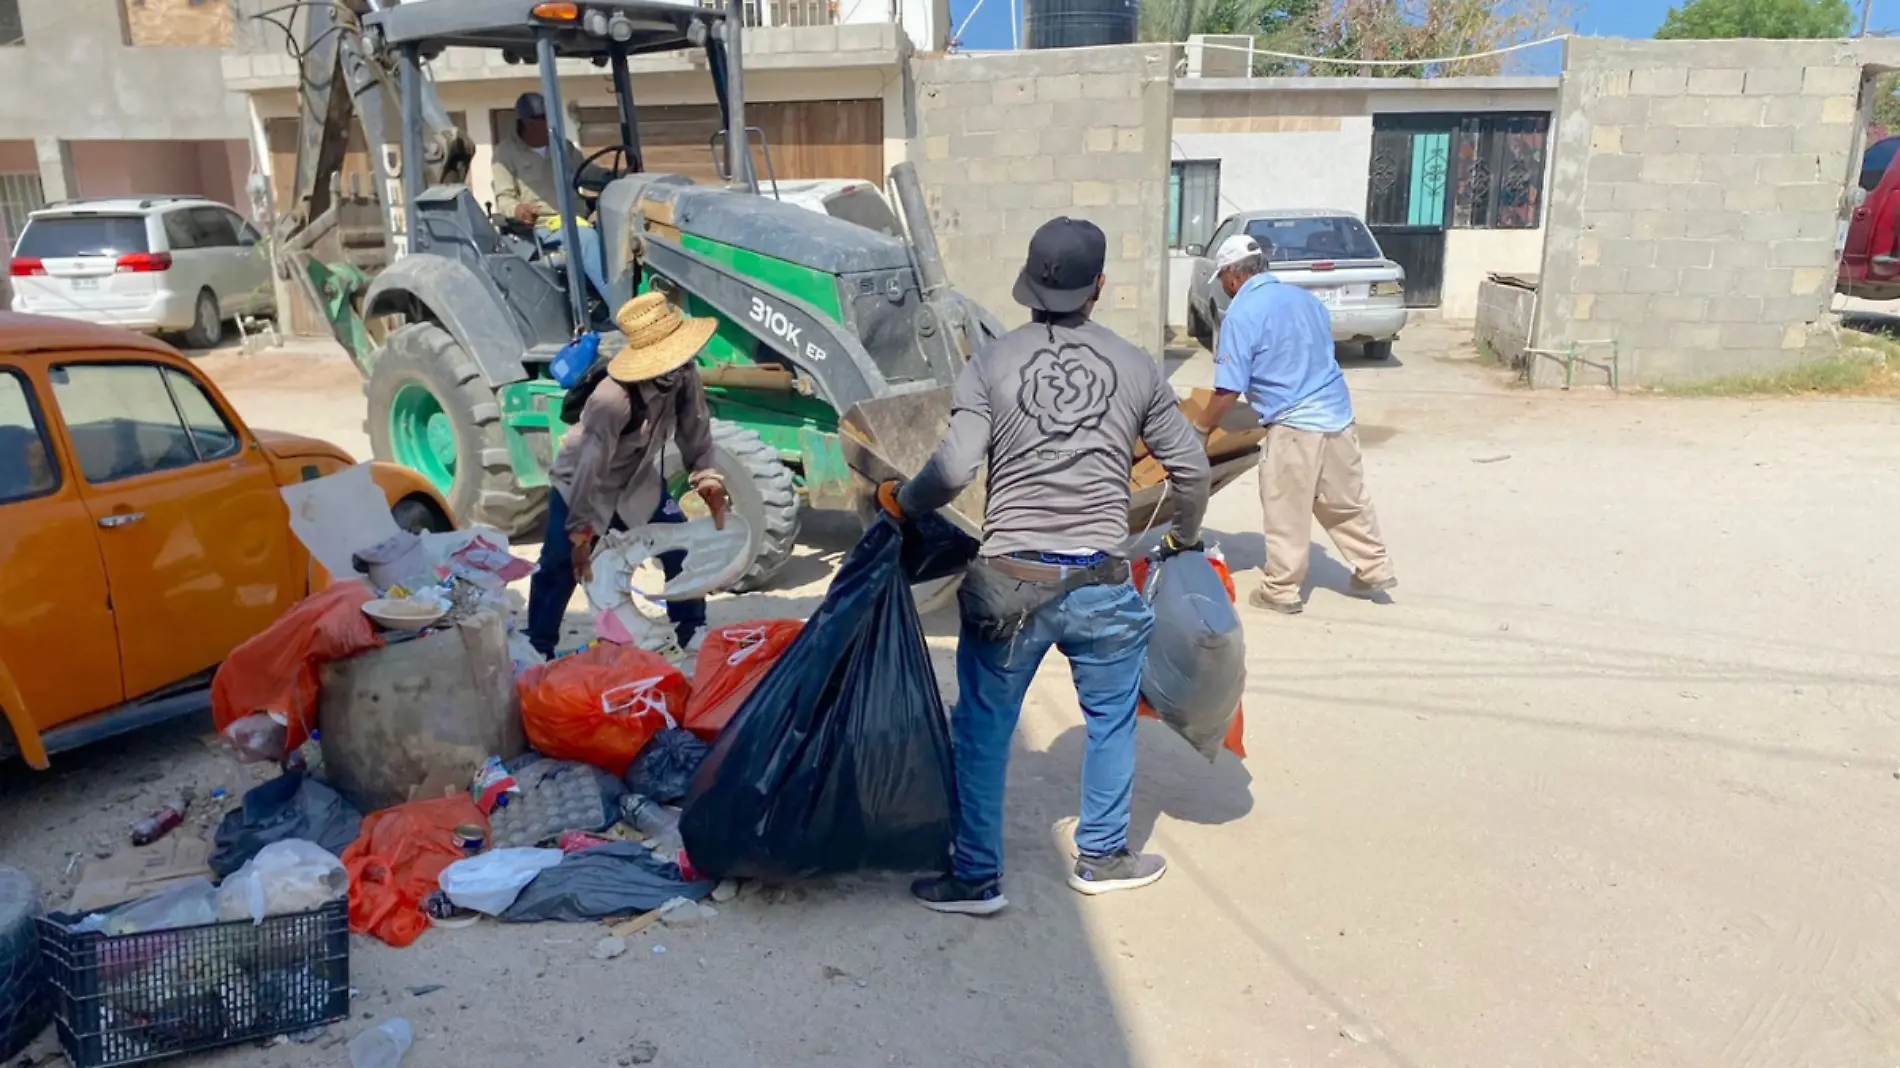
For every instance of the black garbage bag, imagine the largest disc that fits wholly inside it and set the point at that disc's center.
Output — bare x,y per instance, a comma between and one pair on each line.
934,548
609,880
665,766
289,806
840,759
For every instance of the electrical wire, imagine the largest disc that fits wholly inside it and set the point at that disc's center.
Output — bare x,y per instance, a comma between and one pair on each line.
957,37
1423,62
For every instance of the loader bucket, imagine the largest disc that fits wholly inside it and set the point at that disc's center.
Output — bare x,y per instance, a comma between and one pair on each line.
893,437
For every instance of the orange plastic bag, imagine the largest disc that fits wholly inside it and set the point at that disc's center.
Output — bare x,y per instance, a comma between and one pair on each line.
396,862
601,706
731,663
276,671
1235,742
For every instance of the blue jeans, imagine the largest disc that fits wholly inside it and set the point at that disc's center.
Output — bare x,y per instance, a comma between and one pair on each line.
1103,630
593,261
553,586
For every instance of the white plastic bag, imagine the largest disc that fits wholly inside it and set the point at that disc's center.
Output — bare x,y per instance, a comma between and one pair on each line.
284,877
489,883
192,903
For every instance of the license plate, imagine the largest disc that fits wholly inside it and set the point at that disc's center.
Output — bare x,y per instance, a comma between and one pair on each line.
1328,296
85,283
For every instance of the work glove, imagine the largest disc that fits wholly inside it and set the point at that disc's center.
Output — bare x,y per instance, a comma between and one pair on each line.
887,499
1172,546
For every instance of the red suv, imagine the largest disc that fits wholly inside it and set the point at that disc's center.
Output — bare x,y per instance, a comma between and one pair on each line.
1870,260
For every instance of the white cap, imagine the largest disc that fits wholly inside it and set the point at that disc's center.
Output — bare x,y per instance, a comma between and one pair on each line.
1234,251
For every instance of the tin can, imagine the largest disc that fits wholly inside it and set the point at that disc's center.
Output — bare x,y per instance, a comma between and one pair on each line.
470,838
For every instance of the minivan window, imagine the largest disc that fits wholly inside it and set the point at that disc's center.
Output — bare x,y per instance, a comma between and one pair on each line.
216,226
57,236
1318,237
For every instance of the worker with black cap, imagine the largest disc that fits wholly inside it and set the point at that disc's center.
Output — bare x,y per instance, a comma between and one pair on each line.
1055,408
527,190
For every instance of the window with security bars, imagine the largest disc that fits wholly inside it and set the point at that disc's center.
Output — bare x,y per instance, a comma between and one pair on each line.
20,195
1193,202
1464,172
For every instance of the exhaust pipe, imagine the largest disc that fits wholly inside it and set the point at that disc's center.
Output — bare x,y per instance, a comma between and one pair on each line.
923,239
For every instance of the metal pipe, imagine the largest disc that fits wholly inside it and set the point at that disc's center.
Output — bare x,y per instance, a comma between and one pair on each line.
563,177
923,240
738,149
411,145
623,96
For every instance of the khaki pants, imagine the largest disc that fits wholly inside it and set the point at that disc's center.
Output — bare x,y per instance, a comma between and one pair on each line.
1306,476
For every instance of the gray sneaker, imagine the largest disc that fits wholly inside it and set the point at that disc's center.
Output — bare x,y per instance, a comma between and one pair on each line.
1259,599
1369,590
1117,871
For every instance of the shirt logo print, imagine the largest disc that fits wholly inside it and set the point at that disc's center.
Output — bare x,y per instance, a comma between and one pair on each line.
1066,389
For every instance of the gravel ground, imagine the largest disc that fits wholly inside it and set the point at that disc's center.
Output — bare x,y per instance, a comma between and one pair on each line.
1612,781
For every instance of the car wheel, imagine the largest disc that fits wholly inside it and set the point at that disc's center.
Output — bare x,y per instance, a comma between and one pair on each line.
419,516
431,411
1197,326
207,323
24,1005
1378,350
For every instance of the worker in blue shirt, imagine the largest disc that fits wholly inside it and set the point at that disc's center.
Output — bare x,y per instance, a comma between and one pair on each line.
1276,349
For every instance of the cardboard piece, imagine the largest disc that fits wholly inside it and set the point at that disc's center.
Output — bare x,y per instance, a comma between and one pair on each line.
338,514
1239,433
140,872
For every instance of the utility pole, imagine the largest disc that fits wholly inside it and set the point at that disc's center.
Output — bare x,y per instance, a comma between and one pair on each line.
1866,15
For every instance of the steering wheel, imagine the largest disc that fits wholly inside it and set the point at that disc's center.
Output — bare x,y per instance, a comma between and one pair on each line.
623,166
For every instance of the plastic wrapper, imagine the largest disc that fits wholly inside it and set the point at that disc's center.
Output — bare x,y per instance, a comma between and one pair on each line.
840,759
1196,666
489,883
664,769
192,903
257,738
600,706
276,671
284,878
290,806
609,880
397,862
731,662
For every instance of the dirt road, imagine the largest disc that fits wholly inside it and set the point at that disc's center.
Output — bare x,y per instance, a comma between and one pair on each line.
1615,780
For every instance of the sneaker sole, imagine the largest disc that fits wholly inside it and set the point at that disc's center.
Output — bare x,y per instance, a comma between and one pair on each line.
1093,888
987,907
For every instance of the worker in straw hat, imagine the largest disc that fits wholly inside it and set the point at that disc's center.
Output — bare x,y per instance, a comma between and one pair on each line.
608,470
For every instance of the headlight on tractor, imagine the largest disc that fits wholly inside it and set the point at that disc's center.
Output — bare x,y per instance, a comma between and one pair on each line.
1388,289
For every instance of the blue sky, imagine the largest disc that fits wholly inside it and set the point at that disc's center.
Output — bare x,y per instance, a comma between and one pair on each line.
1603,18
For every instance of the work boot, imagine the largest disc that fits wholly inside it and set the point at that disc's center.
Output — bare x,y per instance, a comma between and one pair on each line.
1367,591
1124,870
1259,599
947,893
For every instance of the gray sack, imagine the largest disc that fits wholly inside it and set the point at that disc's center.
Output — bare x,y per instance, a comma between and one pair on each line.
1197,659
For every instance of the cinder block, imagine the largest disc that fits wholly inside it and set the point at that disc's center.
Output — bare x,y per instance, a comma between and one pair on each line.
1646,139
1679,110
1749,198
961,94
1099,139
1764,140
1014,91
1808,280
1729,170
1801,253
1599,280
1761,280
1790,169
1790,309
1620,308
1057,87
1131,246
986,169
1093,194
1669,168
1795,336
1049,194
1636,196
1659,81
1019,143
1130,140
1606,139
1620,110
1734,310
1007,195
1110,87
1032,117
1751,335
1718,282
1772,81
1706,140
1656,225
1771,226
1690,335
1606,168
1060,141
1676,254
1691,196
973,146
1827,140
1839,110
1735,111
1652,280
1715,81
1816,196
936,148
1792,111
1836,79
1627,253
1032,169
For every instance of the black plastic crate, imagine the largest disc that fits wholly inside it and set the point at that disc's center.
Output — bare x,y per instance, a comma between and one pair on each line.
129,999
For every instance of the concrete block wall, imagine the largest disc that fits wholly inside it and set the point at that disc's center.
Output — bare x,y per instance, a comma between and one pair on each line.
179,23
1502,320
1696,200
1008,141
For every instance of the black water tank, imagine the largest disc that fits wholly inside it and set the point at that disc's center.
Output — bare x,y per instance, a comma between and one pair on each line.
1079,23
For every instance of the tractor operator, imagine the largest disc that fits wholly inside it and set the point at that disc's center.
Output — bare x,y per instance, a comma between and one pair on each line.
1055,407
608,466
526,187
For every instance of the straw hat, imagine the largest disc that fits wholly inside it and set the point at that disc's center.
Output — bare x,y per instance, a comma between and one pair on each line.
659,338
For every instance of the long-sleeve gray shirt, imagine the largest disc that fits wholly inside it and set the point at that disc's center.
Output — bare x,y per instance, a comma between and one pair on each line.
608,465
1056,409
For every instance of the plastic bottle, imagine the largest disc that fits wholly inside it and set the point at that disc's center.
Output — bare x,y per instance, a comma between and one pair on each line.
158,824
382,1046
648,816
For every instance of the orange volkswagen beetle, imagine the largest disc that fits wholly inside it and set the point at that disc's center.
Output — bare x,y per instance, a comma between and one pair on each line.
142,535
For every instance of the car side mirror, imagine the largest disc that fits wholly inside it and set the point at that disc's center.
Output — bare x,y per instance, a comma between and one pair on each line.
1196,250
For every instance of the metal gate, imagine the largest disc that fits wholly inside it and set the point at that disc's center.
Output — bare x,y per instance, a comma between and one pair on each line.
1406,200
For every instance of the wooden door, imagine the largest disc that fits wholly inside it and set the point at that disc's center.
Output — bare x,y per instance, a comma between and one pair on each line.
806,138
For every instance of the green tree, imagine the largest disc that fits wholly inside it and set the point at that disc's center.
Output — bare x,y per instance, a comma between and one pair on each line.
1434,33
1775,19
1276,25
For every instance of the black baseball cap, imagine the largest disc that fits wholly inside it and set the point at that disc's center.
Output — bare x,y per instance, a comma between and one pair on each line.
1065,258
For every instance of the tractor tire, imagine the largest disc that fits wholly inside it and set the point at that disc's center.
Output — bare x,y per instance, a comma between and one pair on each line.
762,491
24,1004
431,410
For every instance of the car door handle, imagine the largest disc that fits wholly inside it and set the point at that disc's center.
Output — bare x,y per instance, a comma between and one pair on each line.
123,519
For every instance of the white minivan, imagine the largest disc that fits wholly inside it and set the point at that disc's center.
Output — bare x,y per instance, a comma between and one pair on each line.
179,265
